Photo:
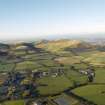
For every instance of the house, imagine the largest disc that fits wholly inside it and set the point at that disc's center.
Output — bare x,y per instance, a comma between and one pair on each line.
53,73
83,72
45,73
88,72
36,103
60,71
38,74
91,72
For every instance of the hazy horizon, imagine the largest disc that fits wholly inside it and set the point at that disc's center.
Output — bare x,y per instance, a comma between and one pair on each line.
85,37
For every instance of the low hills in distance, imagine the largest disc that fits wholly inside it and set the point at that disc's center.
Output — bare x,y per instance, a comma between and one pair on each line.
81,50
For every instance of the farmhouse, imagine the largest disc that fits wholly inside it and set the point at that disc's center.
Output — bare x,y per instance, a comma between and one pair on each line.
83,72
38,74
52,73
91,72
45,73
87,72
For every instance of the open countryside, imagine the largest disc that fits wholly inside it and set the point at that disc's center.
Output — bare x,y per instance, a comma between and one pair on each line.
40,73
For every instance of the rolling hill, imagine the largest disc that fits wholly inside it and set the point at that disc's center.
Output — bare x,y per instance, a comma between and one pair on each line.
57,46
75,51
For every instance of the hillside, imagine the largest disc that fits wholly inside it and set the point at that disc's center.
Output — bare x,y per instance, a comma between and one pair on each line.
97,59
75,51
58,46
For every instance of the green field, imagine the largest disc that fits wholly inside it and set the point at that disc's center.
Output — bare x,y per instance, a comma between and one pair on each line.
76,78
100,76
17,102
69,60
27,65
80,66
94,93
53,85
97,59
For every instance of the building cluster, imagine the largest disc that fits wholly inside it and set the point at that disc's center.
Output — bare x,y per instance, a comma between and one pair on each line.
51,73
90,73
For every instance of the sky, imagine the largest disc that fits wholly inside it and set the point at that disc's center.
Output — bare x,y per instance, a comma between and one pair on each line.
26,19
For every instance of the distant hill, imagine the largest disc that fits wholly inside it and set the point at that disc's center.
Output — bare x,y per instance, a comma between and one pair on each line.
25,46
65,45
66,51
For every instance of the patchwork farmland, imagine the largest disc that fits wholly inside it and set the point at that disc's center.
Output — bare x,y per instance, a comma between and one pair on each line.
52,71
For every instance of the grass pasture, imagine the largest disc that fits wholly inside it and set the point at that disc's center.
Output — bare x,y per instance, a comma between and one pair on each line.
97,59
76,77
17,102
27,65
100,76
53,85
69,60
48,63
80,66
94,93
